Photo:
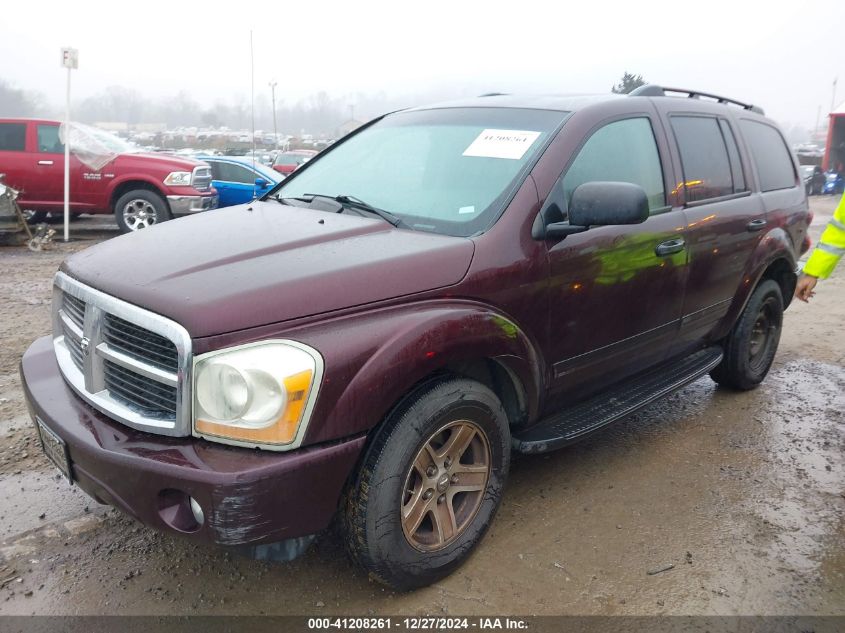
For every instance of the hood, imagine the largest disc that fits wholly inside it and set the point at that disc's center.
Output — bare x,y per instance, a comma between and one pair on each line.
251,265
165,161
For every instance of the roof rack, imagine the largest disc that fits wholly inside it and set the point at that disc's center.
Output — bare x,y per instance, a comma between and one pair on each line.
493,94
652,90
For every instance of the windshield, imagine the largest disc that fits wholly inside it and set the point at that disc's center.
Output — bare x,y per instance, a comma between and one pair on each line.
448,170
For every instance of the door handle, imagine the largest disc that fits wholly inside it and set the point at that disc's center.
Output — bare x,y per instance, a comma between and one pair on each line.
45,162
756,225
670,247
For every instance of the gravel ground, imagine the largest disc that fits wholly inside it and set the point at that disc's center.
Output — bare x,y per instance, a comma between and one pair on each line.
708,502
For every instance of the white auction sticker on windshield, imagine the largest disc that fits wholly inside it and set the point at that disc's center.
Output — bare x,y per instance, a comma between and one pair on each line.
510,144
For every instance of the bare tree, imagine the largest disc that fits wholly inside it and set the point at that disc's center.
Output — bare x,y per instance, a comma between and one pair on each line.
16,102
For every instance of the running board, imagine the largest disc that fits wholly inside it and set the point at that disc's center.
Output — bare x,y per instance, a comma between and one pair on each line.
623,399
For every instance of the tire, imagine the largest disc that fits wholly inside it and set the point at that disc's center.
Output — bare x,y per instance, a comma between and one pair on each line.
391,550
140,209
751,346
35,217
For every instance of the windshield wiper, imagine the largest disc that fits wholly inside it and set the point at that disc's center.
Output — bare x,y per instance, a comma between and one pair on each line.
359,205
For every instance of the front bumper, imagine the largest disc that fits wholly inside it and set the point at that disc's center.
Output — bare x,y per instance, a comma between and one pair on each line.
247,496
182,205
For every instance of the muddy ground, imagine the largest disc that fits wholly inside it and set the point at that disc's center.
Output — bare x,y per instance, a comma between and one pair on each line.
743,494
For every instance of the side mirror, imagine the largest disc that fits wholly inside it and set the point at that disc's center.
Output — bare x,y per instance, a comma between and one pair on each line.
600,204
261,183
606,203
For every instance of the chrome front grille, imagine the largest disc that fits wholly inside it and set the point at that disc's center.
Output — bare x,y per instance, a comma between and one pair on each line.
141,343
152,398
74,308
130,363
201,179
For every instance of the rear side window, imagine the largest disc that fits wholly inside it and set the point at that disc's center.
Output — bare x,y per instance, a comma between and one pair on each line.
12,137
622,151
774,164
704,157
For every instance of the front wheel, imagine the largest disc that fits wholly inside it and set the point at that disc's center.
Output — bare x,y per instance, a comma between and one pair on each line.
750,347
140,209
429,486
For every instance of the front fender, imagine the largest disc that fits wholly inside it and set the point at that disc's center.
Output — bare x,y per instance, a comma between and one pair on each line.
773,246
124,178
372,360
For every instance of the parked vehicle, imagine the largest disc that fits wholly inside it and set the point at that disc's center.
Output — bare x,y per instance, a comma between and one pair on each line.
814,178
288,162
239,180
140,189
833,183
441,288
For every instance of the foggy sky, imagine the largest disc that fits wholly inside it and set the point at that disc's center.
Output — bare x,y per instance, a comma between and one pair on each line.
782,57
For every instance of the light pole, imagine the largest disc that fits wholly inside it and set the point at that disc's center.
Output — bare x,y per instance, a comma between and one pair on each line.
273,85
70,60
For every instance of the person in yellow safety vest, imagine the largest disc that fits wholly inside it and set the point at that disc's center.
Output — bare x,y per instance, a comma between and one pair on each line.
825,256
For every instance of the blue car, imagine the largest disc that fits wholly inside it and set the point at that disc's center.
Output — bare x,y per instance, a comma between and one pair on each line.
238,180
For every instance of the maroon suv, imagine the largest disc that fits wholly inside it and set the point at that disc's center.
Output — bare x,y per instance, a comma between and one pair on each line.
443,287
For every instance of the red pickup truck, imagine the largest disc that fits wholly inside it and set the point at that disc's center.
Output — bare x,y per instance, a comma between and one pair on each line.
140,189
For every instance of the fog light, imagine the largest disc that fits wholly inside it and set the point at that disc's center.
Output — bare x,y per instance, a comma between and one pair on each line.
196,510
180,511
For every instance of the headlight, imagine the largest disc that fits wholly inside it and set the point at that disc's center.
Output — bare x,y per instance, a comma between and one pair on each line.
255,394
178,179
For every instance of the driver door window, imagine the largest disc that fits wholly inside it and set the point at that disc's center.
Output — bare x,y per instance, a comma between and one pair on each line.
622,151
229,172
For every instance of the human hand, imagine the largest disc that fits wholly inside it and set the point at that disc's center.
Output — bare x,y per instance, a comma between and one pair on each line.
804,288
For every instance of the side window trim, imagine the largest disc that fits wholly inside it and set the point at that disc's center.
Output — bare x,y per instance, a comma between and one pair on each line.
730,196
734,158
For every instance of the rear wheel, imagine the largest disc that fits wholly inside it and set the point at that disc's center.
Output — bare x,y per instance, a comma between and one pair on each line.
35,217
430,484
140,209
750,347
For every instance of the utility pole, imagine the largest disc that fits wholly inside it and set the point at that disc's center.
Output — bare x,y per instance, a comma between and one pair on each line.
833,96
273,85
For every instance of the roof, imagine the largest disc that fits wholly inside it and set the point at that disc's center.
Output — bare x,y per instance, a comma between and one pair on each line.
574,102
561,103
15,119
840,110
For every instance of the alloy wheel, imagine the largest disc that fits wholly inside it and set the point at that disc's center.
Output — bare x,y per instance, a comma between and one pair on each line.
139,214
445,485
